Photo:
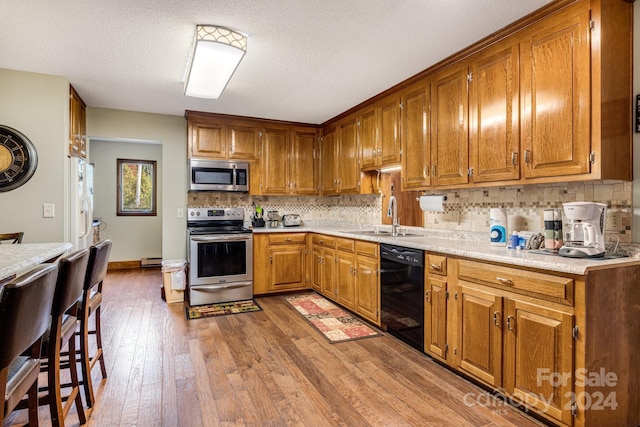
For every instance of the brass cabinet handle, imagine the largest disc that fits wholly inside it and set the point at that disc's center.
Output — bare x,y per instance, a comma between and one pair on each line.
514,158
504,281
527,156
496,318
428,296
435,267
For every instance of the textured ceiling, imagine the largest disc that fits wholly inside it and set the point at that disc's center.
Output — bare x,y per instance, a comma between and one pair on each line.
307,60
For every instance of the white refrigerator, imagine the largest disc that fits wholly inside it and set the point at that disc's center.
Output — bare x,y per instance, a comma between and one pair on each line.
80,203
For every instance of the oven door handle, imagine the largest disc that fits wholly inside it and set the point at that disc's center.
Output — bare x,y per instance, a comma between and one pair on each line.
221,238
220,288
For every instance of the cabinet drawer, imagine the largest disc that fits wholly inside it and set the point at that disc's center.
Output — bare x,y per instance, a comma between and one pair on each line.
367,249
546,286
324,240
287,238
437,264
346,245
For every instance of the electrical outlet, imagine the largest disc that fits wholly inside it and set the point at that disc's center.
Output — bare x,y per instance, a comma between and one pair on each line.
48,210
180,213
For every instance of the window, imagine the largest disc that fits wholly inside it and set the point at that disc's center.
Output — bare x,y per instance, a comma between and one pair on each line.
136,187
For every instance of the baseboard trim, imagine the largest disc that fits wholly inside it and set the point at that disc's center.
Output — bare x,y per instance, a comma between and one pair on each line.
123,265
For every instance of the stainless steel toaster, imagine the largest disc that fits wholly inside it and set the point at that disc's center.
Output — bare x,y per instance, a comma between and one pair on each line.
291,220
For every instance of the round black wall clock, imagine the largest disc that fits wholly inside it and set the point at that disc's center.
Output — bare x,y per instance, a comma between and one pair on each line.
18,159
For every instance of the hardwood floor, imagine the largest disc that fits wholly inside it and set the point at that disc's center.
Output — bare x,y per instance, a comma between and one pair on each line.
267,368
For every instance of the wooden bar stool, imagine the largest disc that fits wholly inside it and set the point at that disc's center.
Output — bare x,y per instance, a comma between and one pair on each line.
72,271
25,306
11,237
91,301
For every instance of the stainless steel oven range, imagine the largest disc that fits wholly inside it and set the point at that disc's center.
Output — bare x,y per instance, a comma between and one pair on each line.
220,253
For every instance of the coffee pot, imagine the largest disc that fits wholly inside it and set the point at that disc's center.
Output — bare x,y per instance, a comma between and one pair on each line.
584,230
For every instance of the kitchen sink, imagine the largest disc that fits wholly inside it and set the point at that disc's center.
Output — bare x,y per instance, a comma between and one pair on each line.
380,233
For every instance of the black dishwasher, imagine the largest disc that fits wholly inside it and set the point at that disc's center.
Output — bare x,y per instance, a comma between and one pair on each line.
402,293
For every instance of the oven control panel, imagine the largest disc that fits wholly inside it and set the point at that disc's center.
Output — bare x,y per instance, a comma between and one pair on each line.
208,214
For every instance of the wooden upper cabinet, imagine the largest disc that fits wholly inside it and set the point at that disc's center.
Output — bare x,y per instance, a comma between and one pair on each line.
348,167
556,104
368,138
211,136
275,161
208,140
329,162
494,115
416,141
449,127
243,142
77,125
303,164
389,143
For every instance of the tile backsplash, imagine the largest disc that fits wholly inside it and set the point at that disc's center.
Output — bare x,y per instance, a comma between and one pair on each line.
466,210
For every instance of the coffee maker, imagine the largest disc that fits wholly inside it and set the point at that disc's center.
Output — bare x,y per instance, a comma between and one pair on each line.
584,231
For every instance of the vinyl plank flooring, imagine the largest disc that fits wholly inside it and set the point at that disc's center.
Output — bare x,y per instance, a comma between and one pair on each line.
267,368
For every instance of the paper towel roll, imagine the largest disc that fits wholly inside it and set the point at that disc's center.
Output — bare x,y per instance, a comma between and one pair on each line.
432,203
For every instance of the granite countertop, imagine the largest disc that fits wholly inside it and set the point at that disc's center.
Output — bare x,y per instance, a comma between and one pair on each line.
462,245
22,257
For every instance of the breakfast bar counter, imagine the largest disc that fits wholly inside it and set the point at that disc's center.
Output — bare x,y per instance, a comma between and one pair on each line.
15,259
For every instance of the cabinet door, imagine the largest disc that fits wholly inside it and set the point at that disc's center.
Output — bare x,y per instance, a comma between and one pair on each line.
243,142
368,288
389,143
316,268
329,162
275,161
287,267
449,128
349,176
346,279
494,130
328,275
480,334
368,139
303,163
435,316
556,99
261,264
538,358
416,143
208,140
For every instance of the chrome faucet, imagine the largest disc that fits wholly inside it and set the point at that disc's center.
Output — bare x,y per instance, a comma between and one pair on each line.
392,211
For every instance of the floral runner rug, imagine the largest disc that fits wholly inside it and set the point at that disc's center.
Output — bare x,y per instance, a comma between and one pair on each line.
335,323
222,308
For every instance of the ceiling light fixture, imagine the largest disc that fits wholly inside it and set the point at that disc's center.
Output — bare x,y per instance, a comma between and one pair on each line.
216,53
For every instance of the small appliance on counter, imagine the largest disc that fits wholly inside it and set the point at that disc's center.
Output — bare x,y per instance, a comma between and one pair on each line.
584,231
273,219
291,220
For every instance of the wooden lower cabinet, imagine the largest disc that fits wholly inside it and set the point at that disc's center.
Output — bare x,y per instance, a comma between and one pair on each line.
546,340
280,262
480,334
435,308
347,271
538,358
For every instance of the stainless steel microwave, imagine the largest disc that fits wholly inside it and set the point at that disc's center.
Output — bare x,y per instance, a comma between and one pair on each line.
218,175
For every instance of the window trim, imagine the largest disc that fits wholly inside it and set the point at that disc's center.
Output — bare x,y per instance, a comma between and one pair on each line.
119,207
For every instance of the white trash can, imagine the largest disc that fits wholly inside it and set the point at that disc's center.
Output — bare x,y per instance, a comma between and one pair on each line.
174,280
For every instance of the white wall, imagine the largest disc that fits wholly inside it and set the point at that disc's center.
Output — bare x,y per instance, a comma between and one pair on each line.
134,237
38,106
171,133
